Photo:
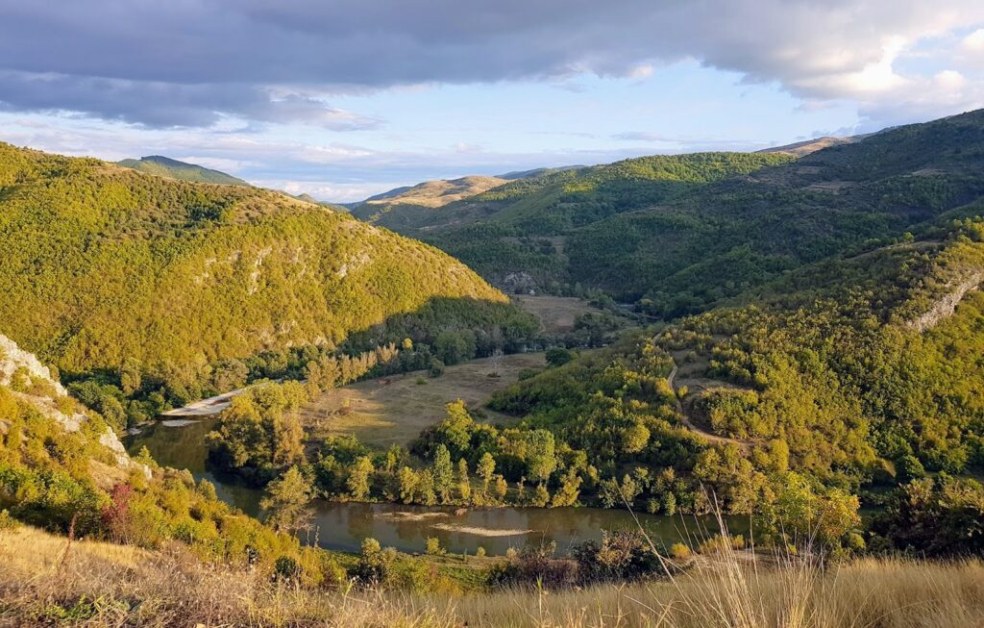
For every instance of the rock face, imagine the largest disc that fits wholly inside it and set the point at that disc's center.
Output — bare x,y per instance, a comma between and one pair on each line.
944,307
13,357
45,393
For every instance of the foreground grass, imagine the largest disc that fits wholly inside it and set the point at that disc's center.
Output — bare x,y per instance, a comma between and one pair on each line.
47,581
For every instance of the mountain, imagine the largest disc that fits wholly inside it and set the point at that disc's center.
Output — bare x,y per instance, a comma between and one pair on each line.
801,149
677,234
167,289
414,205
182,171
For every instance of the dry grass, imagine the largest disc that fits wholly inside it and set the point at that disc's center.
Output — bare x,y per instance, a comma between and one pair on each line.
395,409
105,585
732,594
556,314
98,584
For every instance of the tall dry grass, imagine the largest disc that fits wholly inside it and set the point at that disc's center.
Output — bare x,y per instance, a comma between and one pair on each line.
100,584
731,591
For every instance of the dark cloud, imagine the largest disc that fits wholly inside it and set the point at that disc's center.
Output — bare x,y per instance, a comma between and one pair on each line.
188,62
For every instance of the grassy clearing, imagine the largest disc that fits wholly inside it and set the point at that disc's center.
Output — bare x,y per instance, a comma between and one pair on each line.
556,314
395,409
46,581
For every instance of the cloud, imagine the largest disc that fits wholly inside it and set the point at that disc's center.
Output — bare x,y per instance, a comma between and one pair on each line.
196,62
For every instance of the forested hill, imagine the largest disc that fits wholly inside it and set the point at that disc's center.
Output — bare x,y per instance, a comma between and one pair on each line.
165,287
679,234
858,374
182,171
549,200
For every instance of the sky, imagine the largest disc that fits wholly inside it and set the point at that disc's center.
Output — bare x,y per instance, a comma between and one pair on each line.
343,99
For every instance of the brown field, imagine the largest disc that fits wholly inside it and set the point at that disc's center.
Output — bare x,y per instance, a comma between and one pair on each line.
393,410
556,314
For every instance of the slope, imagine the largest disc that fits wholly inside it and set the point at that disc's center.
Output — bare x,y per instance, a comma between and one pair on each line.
834,373
730,236
406,207
180,170
678,234
520,227
109,272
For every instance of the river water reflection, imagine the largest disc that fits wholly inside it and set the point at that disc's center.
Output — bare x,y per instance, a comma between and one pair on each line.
343,526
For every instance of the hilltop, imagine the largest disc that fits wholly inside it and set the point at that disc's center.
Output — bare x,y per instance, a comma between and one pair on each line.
174,289
180,170
677,234
801,149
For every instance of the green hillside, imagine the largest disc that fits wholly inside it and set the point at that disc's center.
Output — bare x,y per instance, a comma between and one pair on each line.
182,171
161,287
858,374
678,234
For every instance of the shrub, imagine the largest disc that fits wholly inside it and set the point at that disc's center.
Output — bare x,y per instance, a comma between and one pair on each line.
679,551
9,523
286,569
434,546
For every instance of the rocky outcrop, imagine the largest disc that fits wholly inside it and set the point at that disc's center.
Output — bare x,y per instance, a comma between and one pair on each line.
13,357
47,396
947,305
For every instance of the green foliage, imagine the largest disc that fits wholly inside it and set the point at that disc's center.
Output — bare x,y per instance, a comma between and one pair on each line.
286,501
260,433
173,169
168,290
841,375
938,517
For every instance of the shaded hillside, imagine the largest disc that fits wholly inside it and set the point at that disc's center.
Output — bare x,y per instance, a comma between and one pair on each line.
109,271
520,227
182,171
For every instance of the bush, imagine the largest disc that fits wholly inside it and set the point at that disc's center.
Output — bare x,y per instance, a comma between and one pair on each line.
9,523
434,547
286,569
436,368
679,551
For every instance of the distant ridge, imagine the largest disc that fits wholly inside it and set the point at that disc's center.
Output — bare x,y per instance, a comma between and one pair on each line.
180,170
438,193
800,149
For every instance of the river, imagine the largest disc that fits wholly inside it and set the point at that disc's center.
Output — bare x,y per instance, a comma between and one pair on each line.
343,526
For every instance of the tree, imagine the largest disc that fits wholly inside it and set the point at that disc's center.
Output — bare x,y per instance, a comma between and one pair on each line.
501,487
541,496
464,482
540,458
486,469
558,356
409,482
358,479
569,490
456,428
286,501
130,376
824,516
425,487
443,473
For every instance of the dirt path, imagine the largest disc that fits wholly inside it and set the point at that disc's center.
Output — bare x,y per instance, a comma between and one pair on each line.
685,417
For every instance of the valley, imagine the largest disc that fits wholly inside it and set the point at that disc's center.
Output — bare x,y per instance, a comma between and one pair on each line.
703,358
